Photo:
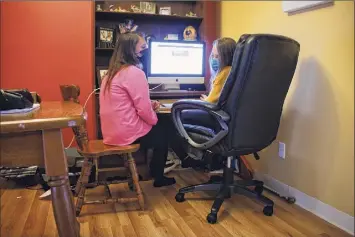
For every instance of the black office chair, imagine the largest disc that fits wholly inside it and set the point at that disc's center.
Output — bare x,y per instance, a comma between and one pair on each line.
247,116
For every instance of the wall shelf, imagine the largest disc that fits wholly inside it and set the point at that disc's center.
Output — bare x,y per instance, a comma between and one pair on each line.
117,16
104,49
158,26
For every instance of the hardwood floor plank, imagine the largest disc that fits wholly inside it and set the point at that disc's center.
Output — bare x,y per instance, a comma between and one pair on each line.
85,230
16,221
8,205
37,217
50,229
143,224
172,229
23,214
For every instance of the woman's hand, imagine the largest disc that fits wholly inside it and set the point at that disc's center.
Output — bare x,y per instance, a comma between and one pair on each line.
203,97
155,105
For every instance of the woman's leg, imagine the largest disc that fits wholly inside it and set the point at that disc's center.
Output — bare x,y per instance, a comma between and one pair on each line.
158,139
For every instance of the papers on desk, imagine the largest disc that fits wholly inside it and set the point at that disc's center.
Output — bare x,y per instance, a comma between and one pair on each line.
166,105
20,111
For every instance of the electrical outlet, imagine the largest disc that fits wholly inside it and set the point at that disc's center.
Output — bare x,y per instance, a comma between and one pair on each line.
282,150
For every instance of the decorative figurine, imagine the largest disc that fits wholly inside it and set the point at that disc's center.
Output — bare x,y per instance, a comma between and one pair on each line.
122,28
98,8
190,33
191,14
122,10
135,9
128,26
111,8
148,38
134,28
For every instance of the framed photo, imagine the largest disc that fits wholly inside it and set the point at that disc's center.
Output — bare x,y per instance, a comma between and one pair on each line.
100,73
148,7
106,37
165,11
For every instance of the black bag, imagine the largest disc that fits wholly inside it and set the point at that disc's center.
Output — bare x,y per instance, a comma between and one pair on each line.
15,99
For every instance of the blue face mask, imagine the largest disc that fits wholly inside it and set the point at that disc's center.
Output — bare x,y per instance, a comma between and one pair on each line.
214,64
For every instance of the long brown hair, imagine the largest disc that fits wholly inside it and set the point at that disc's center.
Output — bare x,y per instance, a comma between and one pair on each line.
123,56
225,47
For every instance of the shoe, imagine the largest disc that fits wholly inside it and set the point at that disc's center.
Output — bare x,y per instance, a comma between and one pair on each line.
164,181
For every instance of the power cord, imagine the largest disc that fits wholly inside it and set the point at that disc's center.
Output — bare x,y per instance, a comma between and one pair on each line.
87,99
156,87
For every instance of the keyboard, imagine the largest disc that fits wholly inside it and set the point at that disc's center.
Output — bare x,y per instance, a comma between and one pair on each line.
177,91
17,172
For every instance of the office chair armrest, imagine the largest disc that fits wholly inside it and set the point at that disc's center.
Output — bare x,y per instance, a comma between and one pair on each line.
214,110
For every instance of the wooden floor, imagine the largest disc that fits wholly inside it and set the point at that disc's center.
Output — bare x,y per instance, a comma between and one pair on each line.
23,214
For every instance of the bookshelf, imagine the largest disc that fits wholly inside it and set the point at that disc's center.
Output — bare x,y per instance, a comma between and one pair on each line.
107,15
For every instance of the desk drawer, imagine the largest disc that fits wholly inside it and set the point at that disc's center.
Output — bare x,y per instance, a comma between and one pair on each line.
22,149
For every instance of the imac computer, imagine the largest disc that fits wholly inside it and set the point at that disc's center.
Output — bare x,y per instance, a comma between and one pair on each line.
175,63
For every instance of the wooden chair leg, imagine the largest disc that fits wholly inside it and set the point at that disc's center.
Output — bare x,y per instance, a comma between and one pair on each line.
84,177
108,191
135,177
79,182
129,176
96,169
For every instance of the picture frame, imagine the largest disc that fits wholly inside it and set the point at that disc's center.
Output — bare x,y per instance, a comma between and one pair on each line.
148,7
165,11
100,73
106,37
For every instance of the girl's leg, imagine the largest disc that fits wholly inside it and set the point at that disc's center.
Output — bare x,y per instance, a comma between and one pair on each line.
158,139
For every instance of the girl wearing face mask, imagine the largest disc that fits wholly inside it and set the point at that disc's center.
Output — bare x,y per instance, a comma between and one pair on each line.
127,114
220,65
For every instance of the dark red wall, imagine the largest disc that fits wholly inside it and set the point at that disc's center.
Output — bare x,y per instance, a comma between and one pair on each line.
209,31
45,44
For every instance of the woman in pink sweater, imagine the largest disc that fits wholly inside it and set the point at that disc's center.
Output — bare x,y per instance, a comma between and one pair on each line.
126,111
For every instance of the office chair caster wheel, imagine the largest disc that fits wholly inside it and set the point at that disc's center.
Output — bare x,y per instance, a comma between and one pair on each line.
180,197
212,218
291,200
259,190
268,210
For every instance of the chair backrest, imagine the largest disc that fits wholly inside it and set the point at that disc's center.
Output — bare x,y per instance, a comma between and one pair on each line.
256,88
71,93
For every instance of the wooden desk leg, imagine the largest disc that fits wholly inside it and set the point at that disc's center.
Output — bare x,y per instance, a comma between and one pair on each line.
57,171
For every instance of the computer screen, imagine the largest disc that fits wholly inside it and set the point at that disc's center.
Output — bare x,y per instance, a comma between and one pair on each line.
176,58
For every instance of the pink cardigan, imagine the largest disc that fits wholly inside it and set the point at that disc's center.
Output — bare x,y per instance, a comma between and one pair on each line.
126,111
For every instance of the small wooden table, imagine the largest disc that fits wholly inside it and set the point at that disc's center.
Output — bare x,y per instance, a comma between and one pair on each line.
36,139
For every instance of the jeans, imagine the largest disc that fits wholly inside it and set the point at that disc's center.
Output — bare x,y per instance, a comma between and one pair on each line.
159,138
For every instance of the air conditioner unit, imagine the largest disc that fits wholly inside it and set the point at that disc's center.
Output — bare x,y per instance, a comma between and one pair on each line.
294,6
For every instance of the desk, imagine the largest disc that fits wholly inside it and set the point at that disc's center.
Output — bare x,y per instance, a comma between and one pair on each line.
175,94
166,110
36,139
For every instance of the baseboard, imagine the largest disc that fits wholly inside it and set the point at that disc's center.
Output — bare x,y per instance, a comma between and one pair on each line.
328,213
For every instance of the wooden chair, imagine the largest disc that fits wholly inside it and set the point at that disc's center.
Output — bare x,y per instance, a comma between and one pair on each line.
92,150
